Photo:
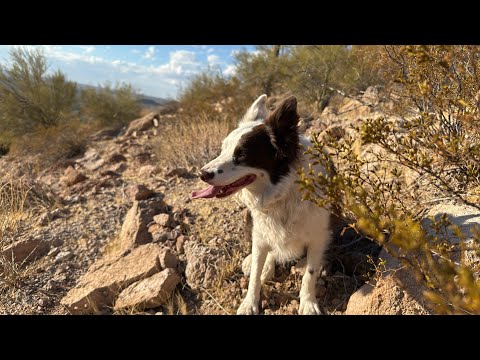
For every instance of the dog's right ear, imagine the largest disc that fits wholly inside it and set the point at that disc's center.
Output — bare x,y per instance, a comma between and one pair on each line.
258,110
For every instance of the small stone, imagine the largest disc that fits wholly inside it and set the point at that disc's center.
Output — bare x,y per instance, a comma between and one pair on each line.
73,176
53,252
179,245
243,283
63,256
163,219
138,192
180,172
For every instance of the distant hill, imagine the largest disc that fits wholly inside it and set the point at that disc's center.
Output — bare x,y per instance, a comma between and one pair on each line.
145,100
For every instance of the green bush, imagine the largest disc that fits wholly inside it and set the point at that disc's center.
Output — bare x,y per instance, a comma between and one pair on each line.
29,97
370,185
110,106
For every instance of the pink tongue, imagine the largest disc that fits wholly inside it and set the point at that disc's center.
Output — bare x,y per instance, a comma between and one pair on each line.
209,192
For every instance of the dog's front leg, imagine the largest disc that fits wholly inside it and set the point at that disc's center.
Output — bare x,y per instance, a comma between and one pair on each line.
249,305
308,299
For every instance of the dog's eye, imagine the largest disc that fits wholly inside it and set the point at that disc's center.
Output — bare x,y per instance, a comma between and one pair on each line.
235,160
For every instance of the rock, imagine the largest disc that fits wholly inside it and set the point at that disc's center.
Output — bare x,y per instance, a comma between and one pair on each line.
371,95
26,250
49,216
163,220
385,298
53,252
202,265
397,291
147,171
150,292
116,158
135,226
180,244
168,259
106,278
118,167
73,176
110,173
466,218
180,172
63,256
142,124
138,192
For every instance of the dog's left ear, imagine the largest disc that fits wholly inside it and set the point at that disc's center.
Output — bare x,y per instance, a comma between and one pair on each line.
284,119
257,111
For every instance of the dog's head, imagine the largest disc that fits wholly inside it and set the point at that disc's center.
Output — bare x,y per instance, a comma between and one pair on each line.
259,151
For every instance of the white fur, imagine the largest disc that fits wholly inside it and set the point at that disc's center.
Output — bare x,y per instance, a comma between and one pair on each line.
283,225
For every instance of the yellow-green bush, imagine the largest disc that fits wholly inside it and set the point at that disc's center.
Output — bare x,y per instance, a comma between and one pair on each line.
29,97
110,106
371,189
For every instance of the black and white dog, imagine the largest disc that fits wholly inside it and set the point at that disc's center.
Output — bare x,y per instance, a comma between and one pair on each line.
258,163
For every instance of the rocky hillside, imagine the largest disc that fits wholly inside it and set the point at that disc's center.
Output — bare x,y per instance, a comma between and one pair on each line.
116,234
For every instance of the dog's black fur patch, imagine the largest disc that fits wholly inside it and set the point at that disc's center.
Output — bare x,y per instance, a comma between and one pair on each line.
272,146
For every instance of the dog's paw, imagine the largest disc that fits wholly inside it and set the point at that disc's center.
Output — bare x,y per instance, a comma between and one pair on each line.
309,306
248,307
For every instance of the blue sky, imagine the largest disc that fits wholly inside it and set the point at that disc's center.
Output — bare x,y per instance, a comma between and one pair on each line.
156,70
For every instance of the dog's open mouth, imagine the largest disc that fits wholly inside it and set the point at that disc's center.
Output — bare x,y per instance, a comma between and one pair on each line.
223,191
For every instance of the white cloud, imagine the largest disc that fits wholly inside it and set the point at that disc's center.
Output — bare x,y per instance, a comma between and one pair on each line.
213,60
151,78
150,53
87,49
234,52
210,50
136,51
230,70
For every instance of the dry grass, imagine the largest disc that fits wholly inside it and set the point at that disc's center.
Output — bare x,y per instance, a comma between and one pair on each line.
192,141
54,143
13,196
19,199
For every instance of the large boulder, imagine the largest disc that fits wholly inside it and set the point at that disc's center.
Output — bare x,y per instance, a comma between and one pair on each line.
150,292
144,123
105,279
396,290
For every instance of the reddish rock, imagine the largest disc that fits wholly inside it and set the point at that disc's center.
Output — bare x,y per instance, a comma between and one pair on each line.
138,192
73,176
150,292
25,250
106,278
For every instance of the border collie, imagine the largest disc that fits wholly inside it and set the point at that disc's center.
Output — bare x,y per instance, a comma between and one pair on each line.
258,163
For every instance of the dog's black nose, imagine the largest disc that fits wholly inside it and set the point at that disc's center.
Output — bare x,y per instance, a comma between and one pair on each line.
206,175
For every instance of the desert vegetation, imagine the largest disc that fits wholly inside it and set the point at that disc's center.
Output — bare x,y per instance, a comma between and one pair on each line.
399,123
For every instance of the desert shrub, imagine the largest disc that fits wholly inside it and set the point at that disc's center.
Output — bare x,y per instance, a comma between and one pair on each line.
29,97
110,106
264,71
437,92
54,143
187,141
